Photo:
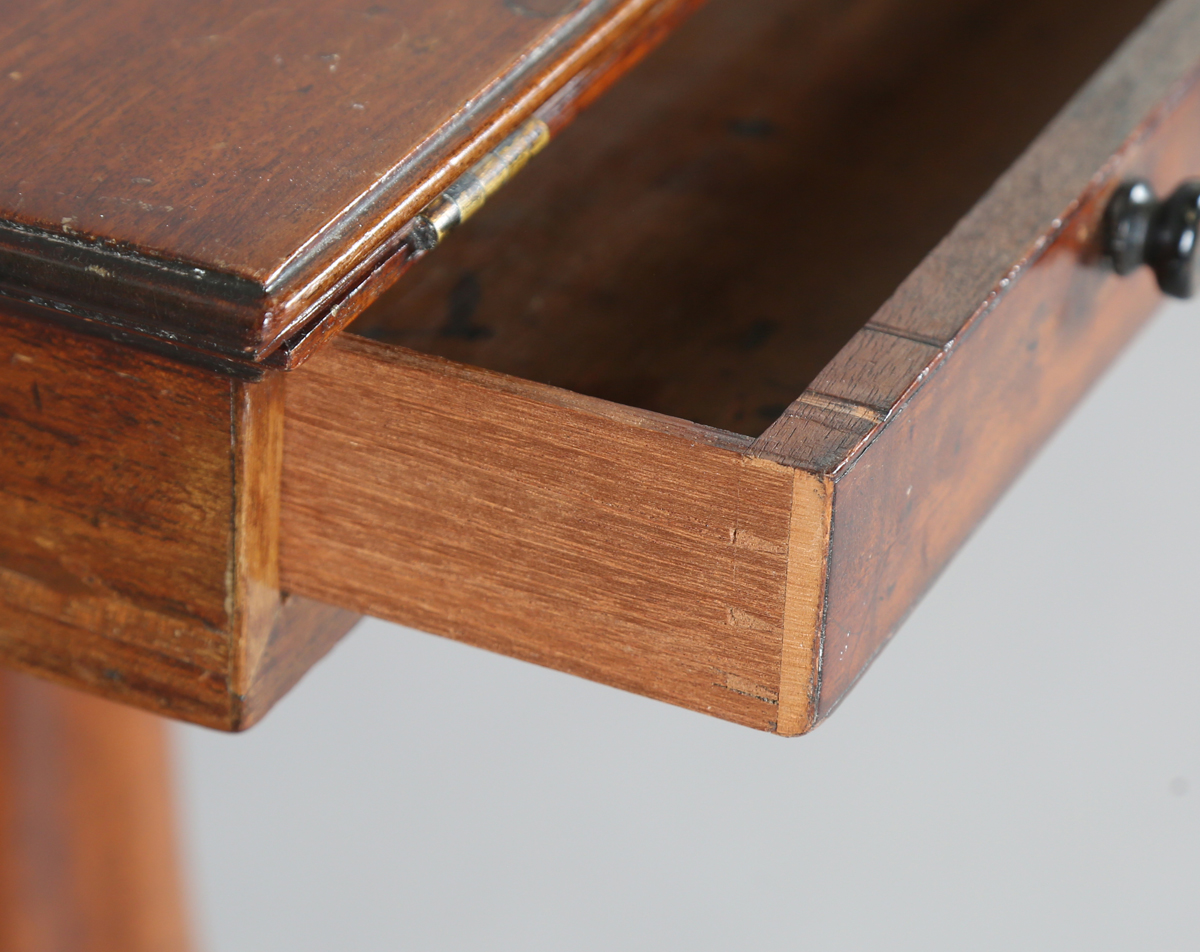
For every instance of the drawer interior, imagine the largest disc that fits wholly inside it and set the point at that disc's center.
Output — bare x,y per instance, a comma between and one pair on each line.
704,239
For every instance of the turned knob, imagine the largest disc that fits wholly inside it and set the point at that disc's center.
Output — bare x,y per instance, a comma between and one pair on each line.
1140,229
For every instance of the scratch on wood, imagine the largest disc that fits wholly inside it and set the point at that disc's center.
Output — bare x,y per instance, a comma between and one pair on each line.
744,686
823,401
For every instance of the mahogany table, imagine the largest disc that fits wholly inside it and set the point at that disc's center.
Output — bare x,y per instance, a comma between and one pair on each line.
720,372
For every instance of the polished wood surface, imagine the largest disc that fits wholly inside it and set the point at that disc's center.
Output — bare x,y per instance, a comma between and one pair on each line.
705,239
88,855
191,543
138,526
221,175
622,53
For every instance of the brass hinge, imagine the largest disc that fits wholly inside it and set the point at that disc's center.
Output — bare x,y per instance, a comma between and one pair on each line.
462,199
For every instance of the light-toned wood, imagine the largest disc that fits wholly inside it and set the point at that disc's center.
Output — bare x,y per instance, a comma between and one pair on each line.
628,548
257,438
88,858
808,549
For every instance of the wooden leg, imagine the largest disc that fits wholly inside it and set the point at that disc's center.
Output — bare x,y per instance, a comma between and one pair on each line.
87,843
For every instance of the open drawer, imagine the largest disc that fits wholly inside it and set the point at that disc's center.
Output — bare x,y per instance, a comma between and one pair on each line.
720,241
702,402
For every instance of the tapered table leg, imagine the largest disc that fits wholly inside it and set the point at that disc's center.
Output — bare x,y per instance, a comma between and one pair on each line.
87,842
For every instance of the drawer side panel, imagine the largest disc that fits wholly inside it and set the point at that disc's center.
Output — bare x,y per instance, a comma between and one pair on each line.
451,501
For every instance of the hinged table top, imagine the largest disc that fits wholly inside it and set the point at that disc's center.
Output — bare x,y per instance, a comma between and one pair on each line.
213,173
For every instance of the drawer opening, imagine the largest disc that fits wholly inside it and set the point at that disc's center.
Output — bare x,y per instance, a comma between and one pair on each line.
705,238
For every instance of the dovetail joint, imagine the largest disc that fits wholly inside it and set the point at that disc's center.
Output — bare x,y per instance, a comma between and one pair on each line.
462,199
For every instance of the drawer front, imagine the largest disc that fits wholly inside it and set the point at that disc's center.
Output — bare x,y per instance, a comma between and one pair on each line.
932,410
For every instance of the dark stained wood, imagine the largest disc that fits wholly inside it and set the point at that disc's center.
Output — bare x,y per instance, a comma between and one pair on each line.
904,507
705,239
642,552
930,437
88,856
206,133
139,526
115,482
557,112
714,243
222,175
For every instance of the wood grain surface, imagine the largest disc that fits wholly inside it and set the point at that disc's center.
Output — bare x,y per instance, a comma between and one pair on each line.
155,514
117,525
302,634
708,236
642,552
914,428
88,855
139,526
222,175
585,87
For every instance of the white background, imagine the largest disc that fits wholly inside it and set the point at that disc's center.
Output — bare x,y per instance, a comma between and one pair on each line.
1019,770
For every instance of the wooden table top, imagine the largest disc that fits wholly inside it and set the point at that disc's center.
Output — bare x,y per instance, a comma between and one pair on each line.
208,172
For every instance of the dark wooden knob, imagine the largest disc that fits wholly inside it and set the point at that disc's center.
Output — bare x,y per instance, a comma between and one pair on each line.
1140,229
